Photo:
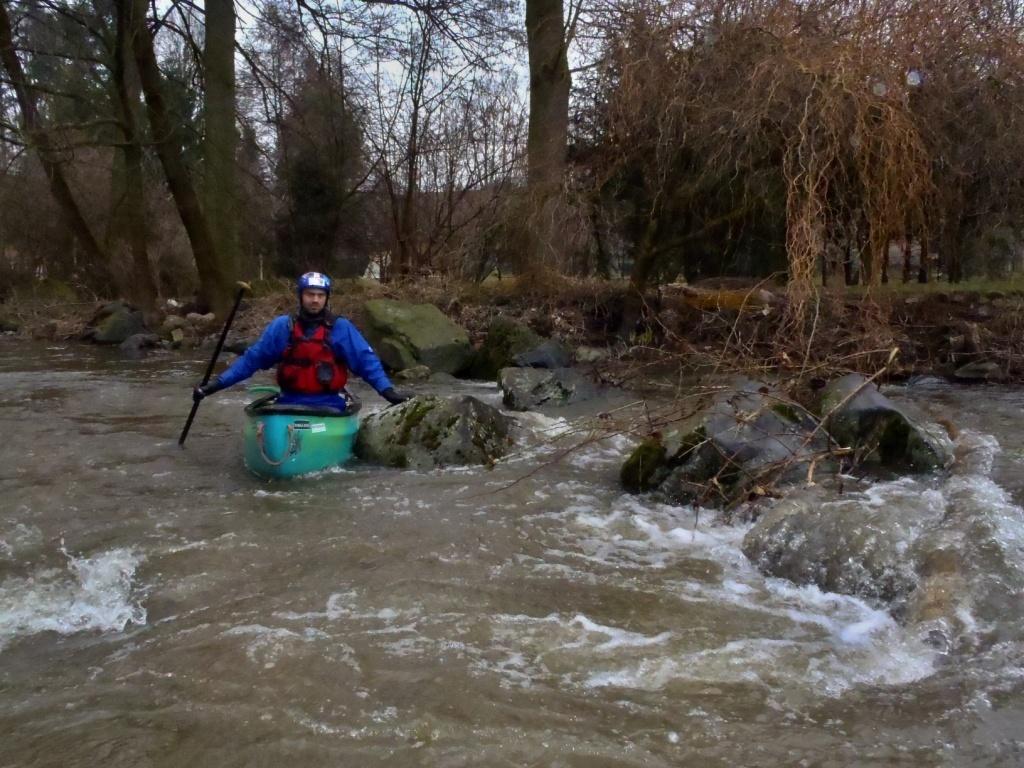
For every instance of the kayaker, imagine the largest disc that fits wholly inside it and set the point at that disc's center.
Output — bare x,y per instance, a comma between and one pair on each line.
314,350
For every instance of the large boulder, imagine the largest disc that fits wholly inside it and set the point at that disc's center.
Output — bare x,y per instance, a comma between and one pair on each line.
849,546
548,354
135,346
407,335
505,339
429,431
746,438
860,417
525,388
114,323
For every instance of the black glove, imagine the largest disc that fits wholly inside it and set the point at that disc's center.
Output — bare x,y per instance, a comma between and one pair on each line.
394,397
202,390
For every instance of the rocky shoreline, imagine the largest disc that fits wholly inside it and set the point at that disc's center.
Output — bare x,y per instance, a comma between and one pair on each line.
965,336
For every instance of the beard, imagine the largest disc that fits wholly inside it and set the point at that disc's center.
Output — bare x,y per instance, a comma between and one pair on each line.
312,317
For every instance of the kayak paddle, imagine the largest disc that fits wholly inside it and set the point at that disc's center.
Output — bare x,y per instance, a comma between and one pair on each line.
242,288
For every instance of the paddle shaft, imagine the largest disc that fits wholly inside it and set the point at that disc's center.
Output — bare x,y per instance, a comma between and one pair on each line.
213,362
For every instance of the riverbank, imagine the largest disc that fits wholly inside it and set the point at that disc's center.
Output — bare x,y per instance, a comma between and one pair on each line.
725,325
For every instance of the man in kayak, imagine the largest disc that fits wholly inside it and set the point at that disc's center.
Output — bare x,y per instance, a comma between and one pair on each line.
313,351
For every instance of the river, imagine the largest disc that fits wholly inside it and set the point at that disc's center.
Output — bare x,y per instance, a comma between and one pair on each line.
162,607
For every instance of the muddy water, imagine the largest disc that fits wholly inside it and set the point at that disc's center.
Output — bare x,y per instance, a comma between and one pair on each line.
162,607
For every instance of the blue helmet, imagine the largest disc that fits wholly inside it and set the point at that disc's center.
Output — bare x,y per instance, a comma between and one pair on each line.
316,280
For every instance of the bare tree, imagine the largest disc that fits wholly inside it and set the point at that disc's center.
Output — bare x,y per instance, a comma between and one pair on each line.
214,275
220,139
40,140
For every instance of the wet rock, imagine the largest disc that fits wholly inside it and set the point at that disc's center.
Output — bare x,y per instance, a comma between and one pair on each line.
505,339
525,388
236,344
747,438
8,325
135,346
177,337
587,355
201,321
980,371
845,546
173,322
406,335
548,354
938,604
428,431
858,416
416,373
114,323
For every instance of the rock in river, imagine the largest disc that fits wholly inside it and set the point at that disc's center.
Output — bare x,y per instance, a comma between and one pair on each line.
430,431
114,323
748,436
525,388
858,416
850,546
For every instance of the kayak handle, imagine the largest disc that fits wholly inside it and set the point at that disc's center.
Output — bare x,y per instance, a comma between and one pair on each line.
292,449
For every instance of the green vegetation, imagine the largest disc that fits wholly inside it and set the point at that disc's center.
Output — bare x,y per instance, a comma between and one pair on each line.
638,471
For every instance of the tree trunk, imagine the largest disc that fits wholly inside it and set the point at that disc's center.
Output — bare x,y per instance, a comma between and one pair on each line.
220,140
214,283
144,288
848,262
639,278
39,139
548,128
923,261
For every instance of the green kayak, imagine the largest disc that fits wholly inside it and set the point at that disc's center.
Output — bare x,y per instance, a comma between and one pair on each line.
289,440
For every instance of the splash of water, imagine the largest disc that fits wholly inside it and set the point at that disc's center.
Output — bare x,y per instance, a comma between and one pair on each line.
90,594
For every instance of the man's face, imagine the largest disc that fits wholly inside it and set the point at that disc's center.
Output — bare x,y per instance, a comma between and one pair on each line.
314,300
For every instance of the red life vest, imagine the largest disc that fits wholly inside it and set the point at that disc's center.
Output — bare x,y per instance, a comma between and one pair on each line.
308,365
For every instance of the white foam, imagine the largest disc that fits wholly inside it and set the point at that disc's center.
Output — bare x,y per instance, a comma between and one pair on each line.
776,662
618,638
547,426
91,594
266,645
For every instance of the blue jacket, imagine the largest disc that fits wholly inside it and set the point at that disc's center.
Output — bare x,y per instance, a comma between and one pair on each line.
348,345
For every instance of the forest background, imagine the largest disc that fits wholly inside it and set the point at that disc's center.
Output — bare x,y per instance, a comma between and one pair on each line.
151,150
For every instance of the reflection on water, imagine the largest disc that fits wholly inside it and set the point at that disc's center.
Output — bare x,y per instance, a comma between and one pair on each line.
163,607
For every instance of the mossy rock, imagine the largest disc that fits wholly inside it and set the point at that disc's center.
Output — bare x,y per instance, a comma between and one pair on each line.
862,418
638,473
505,339
429,431
406,335
745,437
114,323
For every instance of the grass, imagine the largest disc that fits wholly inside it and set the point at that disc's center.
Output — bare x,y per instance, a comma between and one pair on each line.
974,285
